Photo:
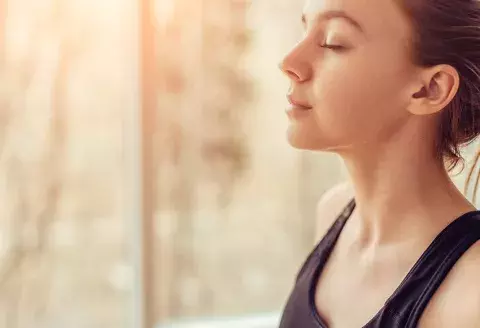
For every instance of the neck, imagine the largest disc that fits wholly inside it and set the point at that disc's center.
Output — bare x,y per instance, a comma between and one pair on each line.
401,195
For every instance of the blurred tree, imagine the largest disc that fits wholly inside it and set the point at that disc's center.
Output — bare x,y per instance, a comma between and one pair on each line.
13,89
35,187
227,89
14,84
205,60
200,141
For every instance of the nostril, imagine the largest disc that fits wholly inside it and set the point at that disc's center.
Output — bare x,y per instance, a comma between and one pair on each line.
292,72
293,75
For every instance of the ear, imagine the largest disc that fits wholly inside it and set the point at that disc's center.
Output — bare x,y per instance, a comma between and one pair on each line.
435,89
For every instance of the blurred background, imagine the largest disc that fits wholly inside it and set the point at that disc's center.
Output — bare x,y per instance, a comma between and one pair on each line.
145,177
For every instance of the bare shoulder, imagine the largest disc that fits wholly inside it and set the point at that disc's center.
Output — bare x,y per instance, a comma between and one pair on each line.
330,205
457,301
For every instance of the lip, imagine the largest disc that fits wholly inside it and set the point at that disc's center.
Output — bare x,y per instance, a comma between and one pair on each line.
297,103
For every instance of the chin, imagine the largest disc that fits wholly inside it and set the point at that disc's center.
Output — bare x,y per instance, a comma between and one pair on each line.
303,141
307,141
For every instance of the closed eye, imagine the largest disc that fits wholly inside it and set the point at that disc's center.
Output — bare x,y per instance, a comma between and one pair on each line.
333,46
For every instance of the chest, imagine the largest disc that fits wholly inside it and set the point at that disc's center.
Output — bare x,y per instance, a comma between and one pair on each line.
349,294
410,288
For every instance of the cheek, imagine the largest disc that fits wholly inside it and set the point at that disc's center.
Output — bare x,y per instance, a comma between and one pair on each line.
355,95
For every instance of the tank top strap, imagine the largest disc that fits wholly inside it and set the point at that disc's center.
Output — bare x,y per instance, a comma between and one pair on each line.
325,246
411,298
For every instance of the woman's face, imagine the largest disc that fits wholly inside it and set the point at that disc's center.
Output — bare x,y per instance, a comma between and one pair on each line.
349,74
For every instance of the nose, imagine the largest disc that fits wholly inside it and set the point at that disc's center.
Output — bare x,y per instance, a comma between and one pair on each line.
296,66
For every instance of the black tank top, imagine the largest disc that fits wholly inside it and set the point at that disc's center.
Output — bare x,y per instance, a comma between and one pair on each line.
404,308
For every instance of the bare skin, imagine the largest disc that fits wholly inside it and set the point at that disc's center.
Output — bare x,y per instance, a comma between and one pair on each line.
358,279
356,92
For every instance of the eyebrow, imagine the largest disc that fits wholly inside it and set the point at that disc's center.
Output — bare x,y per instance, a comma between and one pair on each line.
332,14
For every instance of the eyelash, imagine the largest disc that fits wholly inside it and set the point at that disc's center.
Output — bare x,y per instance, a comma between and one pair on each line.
332,47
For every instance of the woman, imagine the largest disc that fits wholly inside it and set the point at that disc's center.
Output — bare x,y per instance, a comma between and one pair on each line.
392,86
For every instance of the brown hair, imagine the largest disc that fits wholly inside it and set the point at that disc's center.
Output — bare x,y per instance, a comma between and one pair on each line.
448,32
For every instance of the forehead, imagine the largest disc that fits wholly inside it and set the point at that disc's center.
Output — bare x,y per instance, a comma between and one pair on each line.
382,18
